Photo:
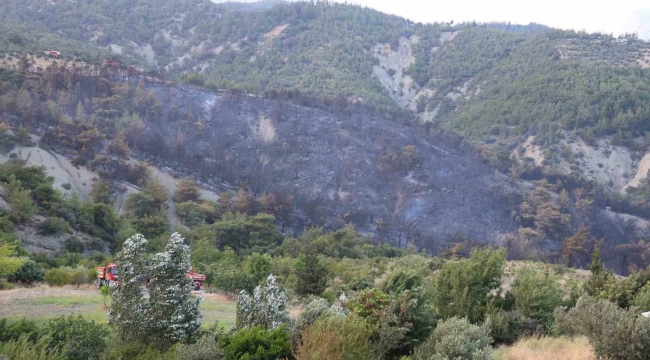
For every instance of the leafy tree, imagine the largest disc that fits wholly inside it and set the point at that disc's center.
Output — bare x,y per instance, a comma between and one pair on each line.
259,266
191,213
187,190
128,314
172,315
537,294
267,307
408,286
79,338
29,273
54,226
456,338
151,226
462,287
22,206
149,201
101,193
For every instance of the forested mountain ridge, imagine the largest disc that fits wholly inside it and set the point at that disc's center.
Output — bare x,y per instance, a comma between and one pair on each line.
493,83
375,90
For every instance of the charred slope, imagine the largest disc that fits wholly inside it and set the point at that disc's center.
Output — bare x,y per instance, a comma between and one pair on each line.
340,164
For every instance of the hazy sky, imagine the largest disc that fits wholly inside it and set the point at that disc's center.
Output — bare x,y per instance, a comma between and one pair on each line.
609,16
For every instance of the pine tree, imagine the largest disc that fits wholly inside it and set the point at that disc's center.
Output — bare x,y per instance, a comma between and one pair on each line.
599,275
174,315
267,307
311,275
129,309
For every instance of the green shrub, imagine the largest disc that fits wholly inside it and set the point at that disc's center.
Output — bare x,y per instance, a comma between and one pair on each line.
27,274
66,186
6,225
4,285
74,245
137,351
462,287
191,213
151,226
80,339
642,298
456,339
258,266
54,226
336,337
537,294
506,327
231,279
24,349
615,333
257,343
58,277
18,329
204,349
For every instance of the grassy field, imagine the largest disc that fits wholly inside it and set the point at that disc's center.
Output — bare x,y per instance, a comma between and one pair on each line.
547,348
42,303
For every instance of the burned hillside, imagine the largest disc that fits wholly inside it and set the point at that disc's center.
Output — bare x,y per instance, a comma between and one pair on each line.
341,163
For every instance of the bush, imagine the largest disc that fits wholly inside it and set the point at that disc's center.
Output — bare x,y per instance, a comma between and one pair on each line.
231,279
537,294
509,326
6,225
58,277
615,333
137,351
27,274
54,226
642,299
336,338
18,329
257,343
258,266
151,226
456,339
462,287
187,190
80,339
24,349
6,285
204,349
74,245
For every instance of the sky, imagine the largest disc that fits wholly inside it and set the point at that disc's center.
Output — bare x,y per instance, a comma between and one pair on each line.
608,16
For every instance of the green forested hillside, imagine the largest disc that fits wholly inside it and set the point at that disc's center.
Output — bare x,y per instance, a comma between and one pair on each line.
486,81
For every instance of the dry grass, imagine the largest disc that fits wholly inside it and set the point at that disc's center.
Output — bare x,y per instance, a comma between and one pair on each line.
547,348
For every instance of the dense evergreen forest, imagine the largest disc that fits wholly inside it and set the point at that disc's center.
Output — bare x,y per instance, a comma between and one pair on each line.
516,80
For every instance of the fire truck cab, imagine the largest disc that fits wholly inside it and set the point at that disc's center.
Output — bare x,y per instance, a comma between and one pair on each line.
107,275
